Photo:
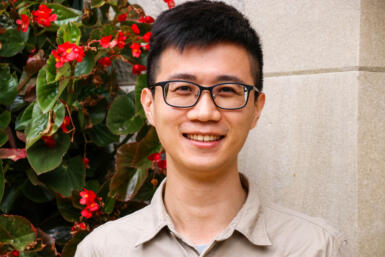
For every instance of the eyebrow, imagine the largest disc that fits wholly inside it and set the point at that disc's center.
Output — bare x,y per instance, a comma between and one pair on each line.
220,78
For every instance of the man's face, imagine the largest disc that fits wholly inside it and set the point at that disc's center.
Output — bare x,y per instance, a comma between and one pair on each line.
202,138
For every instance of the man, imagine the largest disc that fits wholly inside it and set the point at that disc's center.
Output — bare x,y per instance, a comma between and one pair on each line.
205,71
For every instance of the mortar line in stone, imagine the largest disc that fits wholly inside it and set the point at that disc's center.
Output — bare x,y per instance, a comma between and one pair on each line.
325,70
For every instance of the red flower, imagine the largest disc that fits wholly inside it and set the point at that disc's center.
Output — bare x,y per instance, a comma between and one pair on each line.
170,3
146,19
87,197
86,162
78,226
22,24
135,29
154,157
162,164
65,124
135,50
105,61
43,16
86,213
49,141
15,253
121,39
138,68
122,17
93,207
67,52
147,36
147,47
106,42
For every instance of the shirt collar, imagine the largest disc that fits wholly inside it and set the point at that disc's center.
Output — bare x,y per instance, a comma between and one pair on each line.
249,221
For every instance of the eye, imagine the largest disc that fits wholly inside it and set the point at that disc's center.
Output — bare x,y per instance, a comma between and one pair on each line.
229,90
182,88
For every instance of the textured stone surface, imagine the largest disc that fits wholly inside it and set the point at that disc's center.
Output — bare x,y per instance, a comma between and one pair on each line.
372,39
303,153
371,165
307,35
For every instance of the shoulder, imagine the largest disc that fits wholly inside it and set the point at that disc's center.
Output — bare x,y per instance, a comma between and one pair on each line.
123,231
302,234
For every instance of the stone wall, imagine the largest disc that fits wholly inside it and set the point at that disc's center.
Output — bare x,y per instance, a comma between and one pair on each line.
320,144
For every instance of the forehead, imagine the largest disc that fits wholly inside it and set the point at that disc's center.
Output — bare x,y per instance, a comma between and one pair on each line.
206,64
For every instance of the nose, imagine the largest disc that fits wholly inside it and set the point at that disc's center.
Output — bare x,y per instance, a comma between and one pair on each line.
205,109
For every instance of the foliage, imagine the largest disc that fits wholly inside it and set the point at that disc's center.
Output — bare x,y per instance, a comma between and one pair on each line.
65,164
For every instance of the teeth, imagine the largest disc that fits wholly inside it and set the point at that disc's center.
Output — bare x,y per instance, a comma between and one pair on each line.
203,138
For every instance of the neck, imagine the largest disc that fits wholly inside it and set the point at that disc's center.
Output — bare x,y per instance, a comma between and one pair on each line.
194,203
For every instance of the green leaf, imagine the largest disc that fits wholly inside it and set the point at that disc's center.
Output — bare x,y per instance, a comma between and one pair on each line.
5,119
25,119
9,198
69,32
135,154
2,181
126,182
21,232
37,194
64,71
97,113
141,82
109,30
3,137
8,85
120,117
50,69
70,247
101,136
64,14
47,251
70,175
97,3
85,67
48,94
66,209
44,159
40,120
12,42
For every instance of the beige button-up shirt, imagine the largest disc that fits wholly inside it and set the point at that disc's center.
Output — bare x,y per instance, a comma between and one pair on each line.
259,229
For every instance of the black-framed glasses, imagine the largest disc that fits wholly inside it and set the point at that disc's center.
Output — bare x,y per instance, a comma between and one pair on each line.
185,94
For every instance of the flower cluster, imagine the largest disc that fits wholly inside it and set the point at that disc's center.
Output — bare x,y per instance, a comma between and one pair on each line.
86,162
49,141
78,226
158,159
65,124
170,3
146,19
88,198
137,69
23,23
67,52
43,16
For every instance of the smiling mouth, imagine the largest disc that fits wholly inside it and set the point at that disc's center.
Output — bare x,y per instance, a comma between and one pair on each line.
203,138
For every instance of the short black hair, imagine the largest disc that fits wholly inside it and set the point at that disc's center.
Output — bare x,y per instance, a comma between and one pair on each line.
203,23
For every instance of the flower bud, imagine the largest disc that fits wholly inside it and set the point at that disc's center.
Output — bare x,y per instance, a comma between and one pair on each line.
35,62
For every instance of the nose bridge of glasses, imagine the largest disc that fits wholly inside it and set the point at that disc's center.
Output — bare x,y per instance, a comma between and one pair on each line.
201,93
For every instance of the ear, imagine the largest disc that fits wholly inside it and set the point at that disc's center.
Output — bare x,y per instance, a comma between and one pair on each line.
258,105
147,100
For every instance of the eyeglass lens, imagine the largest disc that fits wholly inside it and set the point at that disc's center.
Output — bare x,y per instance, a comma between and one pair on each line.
185,94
